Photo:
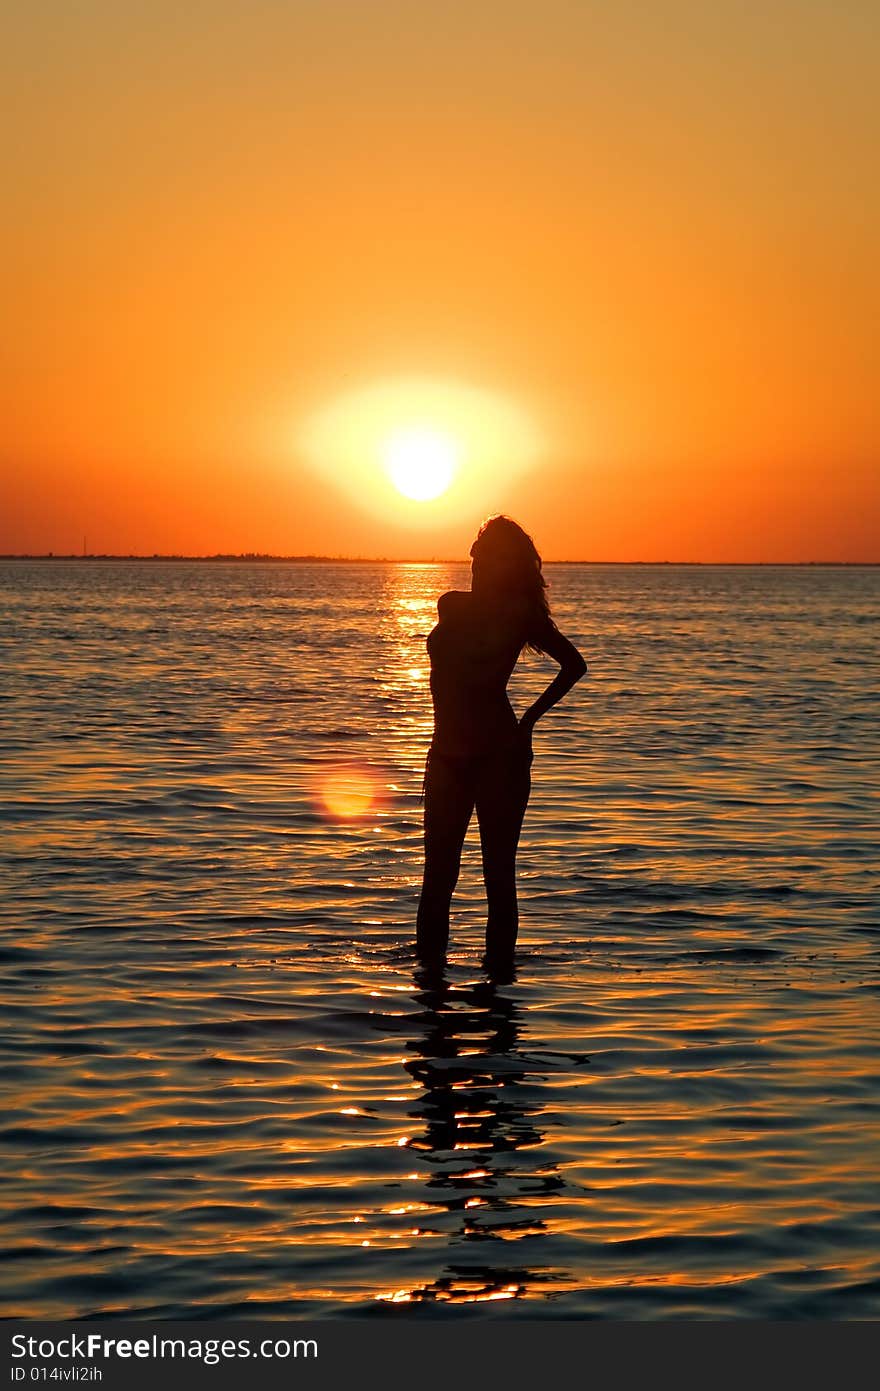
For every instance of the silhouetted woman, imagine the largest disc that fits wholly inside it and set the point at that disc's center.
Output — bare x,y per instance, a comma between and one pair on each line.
480,754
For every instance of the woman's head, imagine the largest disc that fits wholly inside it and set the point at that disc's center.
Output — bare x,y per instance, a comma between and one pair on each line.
506,563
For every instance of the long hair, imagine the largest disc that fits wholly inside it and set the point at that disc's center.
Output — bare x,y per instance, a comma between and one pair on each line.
506,560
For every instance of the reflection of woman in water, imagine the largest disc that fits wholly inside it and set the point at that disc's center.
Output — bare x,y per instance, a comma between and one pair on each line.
480,756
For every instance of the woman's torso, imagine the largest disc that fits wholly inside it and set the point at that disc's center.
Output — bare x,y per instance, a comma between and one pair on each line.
473,650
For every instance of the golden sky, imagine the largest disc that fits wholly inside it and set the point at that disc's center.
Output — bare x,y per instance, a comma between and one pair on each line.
645,232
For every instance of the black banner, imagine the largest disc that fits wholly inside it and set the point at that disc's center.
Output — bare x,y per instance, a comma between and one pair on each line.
414,1352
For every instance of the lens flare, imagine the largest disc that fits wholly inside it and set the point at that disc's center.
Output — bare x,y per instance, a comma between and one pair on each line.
348,793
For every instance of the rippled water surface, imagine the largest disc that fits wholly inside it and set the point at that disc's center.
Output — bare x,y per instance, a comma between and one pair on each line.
229,1093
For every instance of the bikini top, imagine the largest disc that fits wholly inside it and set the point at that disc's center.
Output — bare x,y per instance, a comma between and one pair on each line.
472,646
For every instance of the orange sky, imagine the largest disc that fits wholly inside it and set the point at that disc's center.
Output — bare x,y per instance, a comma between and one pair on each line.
652,227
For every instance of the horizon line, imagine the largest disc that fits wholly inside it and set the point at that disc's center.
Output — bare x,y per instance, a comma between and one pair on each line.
267,557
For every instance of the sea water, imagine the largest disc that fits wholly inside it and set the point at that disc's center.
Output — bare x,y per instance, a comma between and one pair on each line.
229,1093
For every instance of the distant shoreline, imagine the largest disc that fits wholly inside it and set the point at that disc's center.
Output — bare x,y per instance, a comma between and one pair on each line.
260,559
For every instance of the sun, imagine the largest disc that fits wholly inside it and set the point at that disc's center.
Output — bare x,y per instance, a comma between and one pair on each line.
421,463
419,452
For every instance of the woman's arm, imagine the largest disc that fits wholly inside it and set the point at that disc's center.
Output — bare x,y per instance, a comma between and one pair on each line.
571,668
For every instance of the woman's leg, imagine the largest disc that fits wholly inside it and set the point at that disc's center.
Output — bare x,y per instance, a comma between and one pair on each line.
449,803
501,799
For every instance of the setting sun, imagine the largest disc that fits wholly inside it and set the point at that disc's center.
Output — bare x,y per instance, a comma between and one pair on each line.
392,445
420,463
